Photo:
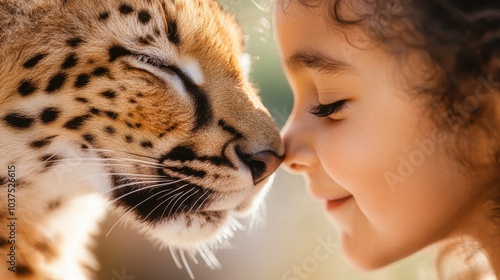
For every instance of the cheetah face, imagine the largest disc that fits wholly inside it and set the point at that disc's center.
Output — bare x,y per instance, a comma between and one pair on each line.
151,96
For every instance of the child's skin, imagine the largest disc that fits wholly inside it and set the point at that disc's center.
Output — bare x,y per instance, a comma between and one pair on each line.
352,153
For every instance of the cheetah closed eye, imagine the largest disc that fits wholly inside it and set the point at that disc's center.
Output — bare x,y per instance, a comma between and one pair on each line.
140,106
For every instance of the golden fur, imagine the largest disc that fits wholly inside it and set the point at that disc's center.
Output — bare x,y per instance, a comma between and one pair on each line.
114,103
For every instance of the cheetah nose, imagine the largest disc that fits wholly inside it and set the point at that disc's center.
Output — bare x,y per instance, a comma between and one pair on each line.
261,164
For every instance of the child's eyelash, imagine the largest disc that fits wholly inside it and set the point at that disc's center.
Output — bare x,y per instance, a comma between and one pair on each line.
328,109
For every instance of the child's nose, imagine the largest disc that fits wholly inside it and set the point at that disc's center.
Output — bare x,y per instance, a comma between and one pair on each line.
298,137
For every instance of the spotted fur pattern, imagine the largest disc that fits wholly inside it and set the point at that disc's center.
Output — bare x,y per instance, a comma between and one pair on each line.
139,106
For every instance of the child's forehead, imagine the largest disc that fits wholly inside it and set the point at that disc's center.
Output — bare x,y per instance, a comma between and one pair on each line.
323,9
307,30
294,16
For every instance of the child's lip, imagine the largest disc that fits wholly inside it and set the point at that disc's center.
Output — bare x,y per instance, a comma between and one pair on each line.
323,196
333,204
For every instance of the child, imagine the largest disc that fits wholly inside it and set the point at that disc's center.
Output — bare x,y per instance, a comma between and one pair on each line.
396,121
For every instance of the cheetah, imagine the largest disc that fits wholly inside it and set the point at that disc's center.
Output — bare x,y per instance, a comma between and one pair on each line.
141,107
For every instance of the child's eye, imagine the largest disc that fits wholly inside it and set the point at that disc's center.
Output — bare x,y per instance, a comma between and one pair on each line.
326,110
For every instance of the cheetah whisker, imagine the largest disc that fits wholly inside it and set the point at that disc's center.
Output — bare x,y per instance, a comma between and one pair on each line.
178,189
105,193
142,189
186,264
205,200
160,184
160,180
174,257
193,256
166,207
170,191
209,257
257,219
121,151
126,213
110,164
44,161
120,174
205,250
178,207
235,225
204,192
146,163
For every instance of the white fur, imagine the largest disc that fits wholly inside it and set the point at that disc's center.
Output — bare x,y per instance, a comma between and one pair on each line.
192,68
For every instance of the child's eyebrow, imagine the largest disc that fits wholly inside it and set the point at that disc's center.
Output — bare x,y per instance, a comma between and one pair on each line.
319,61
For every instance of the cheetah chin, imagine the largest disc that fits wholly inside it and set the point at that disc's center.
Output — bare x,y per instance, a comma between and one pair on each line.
138,106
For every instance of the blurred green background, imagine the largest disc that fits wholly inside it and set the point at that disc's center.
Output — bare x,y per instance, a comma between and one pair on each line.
295,226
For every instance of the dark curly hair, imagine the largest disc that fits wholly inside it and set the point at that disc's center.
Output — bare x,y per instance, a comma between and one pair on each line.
460,43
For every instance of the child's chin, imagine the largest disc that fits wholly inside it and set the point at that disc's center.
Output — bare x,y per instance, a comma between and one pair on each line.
363,261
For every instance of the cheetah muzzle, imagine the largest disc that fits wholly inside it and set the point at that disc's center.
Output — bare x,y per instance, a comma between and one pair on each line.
138,106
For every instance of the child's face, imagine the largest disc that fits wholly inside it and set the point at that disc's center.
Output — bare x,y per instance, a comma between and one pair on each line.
380,152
